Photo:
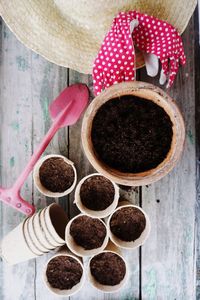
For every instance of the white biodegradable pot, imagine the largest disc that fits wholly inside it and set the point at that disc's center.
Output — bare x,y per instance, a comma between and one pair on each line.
108,288
39,231
71,291
78,250
30,241
92,213
34,236
14,248
41,188
132,244
56,221
47,233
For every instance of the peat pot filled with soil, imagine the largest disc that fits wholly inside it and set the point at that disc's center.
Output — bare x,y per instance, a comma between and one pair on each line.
54,175
133,133
64,274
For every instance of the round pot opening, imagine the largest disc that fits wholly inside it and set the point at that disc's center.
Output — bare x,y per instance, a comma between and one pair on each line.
150,93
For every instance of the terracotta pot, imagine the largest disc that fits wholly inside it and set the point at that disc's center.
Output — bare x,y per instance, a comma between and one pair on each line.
151,93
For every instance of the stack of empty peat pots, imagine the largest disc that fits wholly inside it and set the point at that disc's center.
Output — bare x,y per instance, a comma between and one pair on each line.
36,235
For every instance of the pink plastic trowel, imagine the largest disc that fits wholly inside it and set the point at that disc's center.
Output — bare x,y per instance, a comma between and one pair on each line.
65,110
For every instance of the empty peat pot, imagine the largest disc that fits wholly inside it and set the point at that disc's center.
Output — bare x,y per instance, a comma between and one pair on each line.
133,133
55,176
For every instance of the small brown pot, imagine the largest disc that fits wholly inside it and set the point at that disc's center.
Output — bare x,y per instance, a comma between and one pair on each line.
151,93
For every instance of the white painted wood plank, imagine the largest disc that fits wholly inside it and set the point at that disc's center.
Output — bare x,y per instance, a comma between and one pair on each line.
168,257
47,82
16,126
197,119
34,83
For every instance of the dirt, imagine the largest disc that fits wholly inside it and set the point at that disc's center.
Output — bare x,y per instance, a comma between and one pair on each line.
63,272
128,223
108,268
56,175
88,232
131,134
97,193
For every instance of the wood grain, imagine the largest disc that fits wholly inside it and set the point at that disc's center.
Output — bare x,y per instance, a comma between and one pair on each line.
48,80
131,290
168,257
16,140
35,82
165,267
197,119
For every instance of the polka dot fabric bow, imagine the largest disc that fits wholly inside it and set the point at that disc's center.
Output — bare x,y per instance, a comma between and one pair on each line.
116,58
162,39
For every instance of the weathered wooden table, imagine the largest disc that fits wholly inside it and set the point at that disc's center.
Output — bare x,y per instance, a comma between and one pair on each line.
165,267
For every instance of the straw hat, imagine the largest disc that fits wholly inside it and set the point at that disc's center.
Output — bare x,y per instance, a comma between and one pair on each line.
70,32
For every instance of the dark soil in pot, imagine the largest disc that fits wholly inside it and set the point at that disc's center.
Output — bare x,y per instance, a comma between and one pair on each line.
127,223
108,268
88,232
63,272
56,175
131,134
97,193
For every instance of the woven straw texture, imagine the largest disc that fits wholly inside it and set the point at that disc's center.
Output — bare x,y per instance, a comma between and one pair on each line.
70,32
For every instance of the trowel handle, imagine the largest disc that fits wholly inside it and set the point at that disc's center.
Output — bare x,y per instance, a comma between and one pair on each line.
9,197
34,158
41,148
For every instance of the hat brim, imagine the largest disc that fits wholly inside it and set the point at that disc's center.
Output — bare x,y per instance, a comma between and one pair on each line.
42,27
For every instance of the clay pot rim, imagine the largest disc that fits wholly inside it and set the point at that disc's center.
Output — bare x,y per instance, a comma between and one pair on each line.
96,213
44,190
63,293
108,288
149,92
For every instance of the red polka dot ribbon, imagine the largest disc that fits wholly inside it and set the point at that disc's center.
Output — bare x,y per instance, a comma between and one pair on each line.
115,61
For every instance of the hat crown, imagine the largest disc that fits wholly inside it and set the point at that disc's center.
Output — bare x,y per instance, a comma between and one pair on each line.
83,12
